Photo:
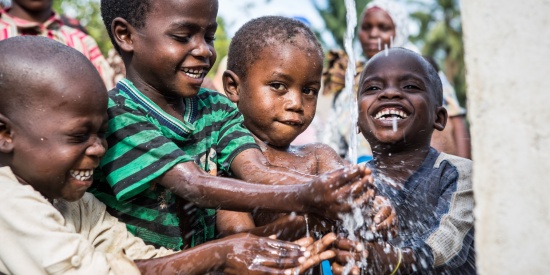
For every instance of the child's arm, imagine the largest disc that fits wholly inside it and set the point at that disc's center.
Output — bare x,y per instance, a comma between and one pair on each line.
244,254
326,158
237,254
326,195
251,165
286,227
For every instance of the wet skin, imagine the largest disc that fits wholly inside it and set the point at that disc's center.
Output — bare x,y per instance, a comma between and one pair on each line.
376,29
278,97
180,31
394,86
57,146
398,83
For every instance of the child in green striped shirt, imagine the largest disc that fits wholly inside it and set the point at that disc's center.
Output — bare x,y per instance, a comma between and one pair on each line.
168,139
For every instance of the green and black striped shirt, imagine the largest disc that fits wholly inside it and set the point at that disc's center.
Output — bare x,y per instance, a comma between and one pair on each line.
145,142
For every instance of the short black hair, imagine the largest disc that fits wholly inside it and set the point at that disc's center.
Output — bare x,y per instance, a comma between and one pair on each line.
34,57
133,11
433,76
262,32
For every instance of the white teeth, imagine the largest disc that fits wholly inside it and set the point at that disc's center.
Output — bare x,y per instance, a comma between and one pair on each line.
82,175
387,114
193,73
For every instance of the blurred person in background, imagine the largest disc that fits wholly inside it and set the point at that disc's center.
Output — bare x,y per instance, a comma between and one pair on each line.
383,24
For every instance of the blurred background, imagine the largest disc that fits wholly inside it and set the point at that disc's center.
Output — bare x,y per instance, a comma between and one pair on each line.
436,26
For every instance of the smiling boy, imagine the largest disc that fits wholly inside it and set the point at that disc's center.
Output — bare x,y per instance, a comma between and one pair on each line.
51,139
52,130
168,138
399,100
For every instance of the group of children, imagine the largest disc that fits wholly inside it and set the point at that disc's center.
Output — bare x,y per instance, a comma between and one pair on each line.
174,165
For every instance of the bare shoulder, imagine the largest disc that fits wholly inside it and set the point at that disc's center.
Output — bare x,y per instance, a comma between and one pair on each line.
313,149
326,158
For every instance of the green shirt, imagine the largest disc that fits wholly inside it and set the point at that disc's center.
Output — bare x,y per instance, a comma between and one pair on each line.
144,142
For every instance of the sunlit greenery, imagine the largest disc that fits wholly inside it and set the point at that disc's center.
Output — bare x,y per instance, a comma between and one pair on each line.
90,17
440,30
440,33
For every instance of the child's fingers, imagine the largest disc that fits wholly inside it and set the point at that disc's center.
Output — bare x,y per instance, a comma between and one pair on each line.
312,261
304,242
322,244
345,175
339,270
383,215
283,249
343,256
280,262
345,244
361,191
317,259
365,198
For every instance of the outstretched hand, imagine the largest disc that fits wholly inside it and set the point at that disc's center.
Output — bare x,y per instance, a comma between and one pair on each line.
317,250
270,256
348,253
385,220
336,192
250,254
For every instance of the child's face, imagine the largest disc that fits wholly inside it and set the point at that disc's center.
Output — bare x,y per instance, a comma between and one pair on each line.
174,50
397,87
57,145
376,30
278,96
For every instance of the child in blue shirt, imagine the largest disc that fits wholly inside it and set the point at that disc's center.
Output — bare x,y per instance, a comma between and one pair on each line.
400,104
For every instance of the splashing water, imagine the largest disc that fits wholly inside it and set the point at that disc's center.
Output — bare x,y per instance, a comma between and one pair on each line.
351,18
394,124
355,222
307,225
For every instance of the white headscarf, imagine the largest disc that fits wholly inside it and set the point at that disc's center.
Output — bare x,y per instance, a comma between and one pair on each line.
400,18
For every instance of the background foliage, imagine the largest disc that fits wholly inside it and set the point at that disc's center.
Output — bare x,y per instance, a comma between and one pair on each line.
438,21
439,36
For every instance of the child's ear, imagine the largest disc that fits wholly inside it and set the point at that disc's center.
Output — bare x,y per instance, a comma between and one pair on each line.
231,85
123,34
6,144
441,118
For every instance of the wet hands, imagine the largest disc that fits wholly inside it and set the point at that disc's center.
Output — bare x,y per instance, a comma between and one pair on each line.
250,254
336,192
317,250
376,257
385,220
349,256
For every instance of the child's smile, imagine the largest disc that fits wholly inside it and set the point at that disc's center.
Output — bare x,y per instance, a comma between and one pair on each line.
390,116
57,155
396,101
82,175
195,73
174,50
